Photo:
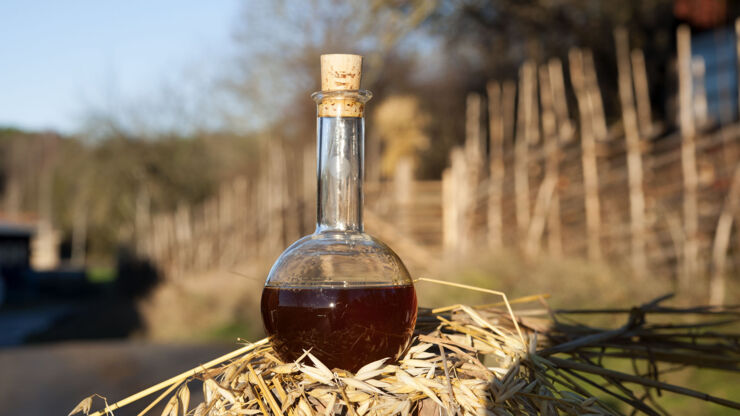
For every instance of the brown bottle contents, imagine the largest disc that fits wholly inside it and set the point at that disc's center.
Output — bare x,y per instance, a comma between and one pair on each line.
343,327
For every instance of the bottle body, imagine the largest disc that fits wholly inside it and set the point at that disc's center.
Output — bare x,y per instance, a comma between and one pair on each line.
340,293
345,296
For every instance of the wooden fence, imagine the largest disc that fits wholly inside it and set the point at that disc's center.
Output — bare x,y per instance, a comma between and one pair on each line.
532,175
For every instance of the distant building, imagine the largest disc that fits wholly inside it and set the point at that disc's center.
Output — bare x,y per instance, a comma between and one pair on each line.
15,252
26,244
714,58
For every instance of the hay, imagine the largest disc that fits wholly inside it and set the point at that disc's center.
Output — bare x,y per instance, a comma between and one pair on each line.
470,360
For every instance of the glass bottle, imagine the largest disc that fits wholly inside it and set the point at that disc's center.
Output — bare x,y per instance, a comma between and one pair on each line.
339,292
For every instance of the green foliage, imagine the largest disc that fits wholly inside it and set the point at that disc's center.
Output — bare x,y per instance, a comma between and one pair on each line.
101,274
102,179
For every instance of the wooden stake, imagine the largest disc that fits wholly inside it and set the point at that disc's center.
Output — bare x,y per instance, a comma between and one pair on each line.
403,193
474,145
547,187
456,202
508,106
560,102
449,210
464,197
241,199
678,239
634,156
309,188
496,163
565,133
521,148
551,135
533,126
642,93
474,151
688,156
224,200
277,195
588,155
293,190
183,231
591,84
730,209
541,208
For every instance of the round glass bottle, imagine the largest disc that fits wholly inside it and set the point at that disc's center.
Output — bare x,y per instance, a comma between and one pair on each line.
339,292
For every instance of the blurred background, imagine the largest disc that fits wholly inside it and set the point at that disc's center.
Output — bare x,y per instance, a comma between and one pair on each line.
156,158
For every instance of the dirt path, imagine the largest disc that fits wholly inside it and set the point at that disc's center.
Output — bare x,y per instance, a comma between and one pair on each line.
52,379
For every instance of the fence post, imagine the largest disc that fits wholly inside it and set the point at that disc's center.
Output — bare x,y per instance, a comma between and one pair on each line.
183,236
464,197
474,145
496,175
474,153
592,91
251,222
277,196
722,241
225,221
242,210
449,213
688,156
634,156
456,203
508,108
547,191
566,129
588,155
212,228
263,219
565,133
521,149
402,192
309,188
642,93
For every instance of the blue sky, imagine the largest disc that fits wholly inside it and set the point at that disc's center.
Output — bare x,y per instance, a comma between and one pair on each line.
58,59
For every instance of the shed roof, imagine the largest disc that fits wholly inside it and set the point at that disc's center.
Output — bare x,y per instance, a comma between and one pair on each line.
12,229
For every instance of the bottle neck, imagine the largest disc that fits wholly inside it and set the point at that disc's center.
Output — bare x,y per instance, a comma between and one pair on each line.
340,170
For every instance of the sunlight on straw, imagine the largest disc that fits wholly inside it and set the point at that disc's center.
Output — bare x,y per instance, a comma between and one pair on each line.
478,289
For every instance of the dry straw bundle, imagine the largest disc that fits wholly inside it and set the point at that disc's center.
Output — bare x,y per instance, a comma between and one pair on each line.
471,360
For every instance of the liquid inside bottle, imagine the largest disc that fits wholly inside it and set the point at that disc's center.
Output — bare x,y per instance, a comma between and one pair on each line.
343,327
339,293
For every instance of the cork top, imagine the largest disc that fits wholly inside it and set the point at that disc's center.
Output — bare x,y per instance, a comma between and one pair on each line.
340,72
340,94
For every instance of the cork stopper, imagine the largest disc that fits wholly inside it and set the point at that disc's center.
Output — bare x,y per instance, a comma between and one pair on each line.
341,72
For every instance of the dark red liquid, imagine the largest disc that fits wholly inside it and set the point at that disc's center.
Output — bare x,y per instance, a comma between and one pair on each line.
343,327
